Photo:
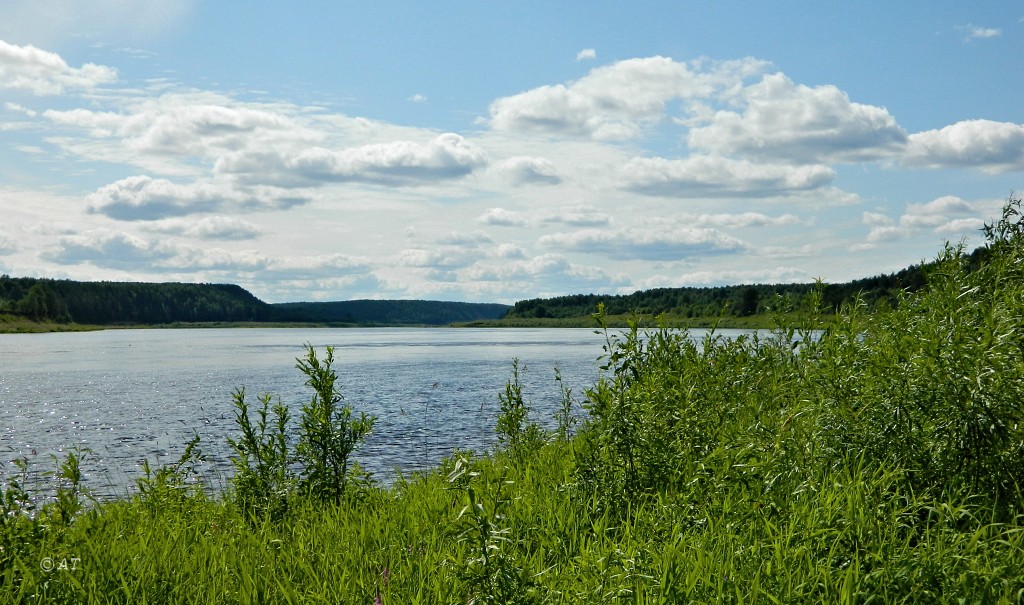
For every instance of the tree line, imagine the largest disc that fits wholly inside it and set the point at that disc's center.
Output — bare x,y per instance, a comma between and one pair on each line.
113,303
736,301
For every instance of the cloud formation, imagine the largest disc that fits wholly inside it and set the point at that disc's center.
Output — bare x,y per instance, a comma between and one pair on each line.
783,120
447,156
148,199
717,176
39,72
617,101
648,243
993,147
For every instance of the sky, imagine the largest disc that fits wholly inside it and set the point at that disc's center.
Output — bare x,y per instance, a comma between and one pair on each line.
494,152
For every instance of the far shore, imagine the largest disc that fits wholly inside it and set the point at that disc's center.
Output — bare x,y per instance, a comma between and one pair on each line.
10,324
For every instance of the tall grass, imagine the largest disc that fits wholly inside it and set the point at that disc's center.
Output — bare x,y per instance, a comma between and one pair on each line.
853,459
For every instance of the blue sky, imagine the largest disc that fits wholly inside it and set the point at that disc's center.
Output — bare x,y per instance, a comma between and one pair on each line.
496,151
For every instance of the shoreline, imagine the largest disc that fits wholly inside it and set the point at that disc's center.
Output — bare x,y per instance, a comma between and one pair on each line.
14,325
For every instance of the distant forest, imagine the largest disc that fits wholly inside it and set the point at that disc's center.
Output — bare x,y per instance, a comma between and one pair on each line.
735,301
125,303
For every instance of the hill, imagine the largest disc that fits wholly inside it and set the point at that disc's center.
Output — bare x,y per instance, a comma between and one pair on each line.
134,303
388,312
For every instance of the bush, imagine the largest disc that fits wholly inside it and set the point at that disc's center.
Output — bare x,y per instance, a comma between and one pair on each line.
268,473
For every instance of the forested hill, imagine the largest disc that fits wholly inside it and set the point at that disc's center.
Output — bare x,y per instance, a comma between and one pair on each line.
390,312
737,301
123,303
105,303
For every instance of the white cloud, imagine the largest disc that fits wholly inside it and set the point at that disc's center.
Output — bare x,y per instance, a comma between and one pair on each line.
648,243
200,125
510,251
211,228
116,250
783,120
703,279
526,170
616,101
15,107
875,219
960,226
994,147
418,98
503,218
743,219
443,257
50,21
712,176
975,32
145,198
946,215
40,72
447,156
544,271
587,54
580,215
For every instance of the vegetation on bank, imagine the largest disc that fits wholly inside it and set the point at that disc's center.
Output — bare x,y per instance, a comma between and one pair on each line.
760,321
86,305
44,305
880,459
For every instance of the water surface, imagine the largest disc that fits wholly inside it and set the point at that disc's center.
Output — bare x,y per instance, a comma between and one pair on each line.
134,395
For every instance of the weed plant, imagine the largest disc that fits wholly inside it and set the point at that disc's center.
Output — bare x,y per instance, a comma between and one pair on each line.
862,458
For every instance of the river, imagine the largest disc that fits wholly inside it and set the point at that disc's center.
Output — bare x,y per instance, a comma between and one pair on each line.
134,395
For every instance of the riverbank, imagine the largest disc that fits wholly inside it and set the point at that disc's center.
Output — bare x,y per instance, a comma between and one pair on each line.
880,462
10,324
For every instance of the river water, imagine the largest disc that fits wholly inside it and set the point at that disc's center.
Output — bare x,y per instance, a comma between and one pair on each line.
134,395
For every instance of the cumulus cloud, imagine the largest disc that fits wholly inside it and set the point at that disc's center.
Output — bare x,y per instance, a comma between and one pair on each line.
742,219
444,257
145,198
510,251
211,228
525,170
994,147
616,101
947,215
783,120
587,54
714,176
503,218
201,125
579,215
975,32
116,250
546,269
40,72
447,156
655,243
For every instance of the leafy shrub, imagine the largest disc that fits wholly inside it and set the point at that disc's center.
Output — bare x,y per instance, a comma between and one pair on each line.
516,433
330,434
268,473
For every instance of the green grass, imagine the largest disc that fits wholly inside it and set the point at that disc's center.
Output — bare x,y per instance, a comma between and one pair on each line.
866,458
15,324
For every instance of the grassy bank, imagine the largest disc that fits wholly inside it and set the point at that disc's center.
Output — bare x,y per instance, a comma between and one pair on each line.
15,324
879,460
